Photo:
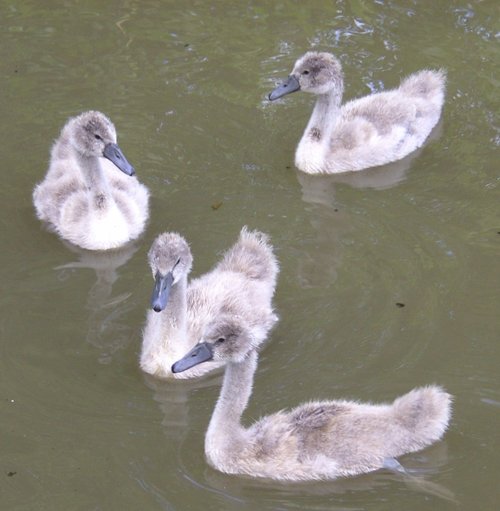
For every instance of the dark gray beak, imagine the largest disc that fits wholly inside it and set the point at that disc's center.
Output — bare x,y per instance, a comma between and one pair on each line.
290,85
200,353
114,154
161,291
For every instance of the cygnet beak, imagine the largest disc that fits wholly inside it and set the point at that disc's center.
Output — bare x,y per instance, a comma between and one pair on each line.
114,154
200,353
287,87
161,291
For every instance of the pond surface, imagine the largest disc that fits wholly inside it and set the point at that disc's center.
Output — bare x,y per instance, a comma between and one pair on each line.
185,82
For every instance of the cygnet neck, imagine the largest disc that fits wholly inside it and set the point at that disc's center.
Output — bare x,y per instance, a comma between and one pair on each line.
225,427
174,320
324,117
93,174
314,146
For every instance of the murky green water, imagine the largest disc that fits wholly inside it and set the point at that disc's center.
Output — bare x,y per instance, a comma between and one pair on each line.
185,83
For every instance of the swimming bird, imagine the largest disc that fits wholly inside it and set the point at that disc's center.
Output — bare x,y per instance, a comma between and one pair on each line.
242,285
90,195
365,132
316,440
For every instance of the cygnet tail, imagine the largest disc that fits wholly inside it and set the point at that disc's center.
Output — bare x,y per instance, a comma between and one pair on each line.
253,256
424,413
426,84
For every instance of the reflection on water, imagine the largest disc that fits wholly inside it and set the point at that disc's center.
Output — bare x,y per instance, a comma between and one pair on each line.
318,256
331,222
173,397
107,328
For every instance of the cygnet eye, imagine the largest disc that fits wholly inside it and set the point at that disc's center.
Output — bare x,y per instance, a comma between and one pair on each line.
97,137
305,72
220,340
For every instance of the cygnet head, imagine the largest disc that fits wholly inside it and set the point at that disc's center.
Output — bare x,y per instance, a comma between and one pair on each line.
92,134
170,260
227,339
315,72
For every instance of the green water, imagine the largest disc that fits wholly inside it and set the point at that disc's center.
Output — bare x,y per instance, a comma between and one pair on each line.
185,83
